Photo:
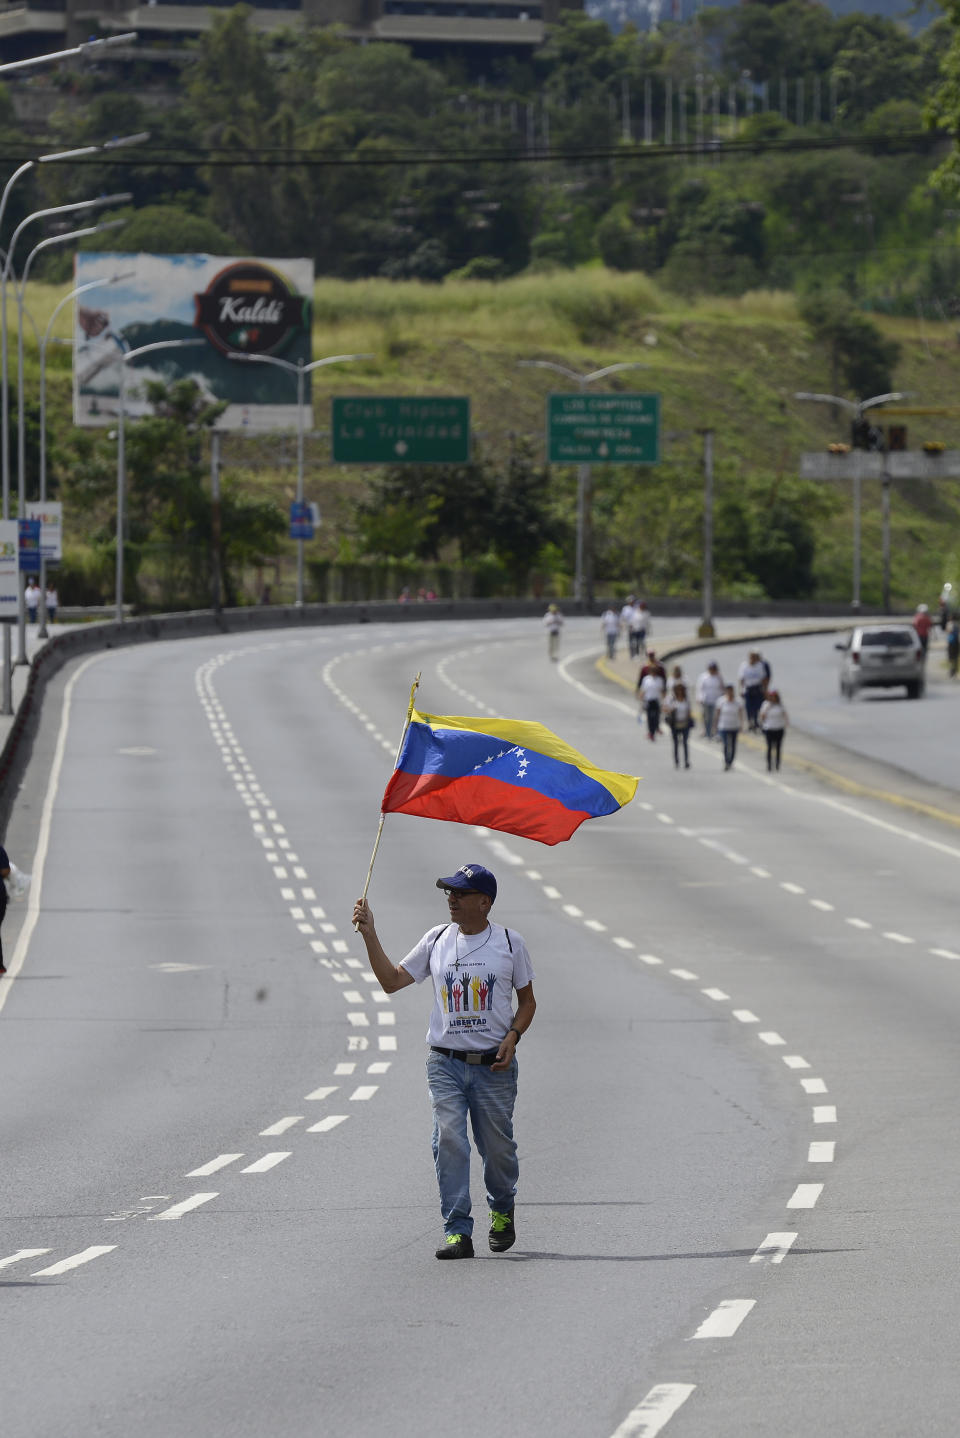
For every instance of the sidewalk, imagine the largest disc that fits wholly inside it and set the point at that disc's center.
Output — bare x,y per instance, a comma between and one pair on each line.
840,767
21,673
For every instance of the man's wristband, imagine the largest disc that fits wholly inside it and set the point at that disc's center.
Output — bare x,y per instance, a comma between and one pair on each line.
512,1030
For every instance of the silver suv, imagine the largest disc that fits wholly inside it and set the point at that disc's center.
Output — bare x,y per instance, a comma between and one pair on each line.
879,656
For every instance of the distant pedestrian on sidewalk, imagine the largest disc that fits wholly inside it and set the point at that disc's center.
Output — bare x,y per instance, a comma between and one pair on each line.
627,612
773,722
31,598
610,628
709,693
730,717
679,718
953,648
640,630
922,623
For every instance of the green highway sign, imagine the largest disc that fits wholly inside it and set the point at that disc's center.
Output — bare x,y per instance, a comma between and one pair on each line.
395,430
603,428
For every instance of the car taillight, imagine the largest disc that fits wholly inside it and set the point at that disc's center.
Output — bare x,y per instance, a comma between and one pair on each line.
855,656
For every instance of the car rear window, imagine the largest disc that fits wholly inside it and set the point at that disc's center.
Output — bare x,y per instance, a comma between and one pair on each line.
889,638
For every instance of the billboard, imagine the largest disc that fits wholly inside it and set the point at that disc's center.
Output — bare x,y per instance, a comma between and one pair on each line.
259,308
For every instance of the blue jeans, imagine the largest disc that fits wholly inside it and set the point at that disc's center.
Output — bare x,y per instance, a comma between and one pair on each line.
456,1090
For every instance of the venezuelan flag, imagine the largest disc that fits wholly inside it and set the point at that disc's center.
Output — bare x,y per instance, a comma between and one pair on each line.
506,774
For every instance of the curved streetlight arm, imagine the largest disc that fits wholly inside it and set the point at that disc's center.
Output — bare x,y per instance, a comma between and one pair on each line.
830,399
128,38
81,290
549,364
63,240
75,205
583,379
855,406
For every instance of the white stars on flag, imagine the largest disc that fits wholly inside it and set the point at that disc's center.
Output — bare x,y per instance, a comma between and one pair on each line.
521,755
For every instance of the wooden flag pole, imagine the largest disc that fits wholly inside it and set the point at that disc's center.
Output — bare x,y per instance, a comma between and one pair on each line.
406,725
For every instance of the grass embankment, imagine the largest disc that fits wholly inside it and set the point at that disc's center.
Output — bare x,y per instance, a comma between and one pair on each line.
730,364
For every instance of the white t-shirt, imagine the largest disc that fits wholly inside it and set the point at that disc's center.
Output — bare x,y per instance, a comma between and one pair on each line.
474,976
709,687
773,716
752,676
553,621
610,621
640,623
729,714
651,687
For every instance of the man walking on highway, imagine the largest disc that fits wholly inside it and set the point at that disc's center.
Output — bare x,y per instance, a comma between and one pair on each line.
475,967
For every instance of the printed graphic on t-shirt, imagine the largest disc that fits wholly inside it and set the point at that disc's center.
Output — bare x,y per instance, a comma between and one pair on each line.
467,998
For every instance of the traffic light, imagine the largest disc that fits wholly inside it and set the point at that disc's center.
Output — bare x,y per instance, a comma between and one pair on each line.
897,437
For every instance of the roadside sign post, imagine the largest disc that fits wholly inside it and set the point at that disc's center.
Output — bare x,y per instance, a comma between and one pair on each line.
389,429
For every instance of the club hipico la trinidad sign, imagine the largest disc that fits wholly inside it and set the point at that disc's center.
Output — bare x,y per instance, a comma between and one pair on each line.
246,306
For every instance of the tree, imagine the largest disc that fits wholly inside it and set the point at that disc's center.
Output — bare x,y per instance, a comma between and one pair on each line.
943,105
861,359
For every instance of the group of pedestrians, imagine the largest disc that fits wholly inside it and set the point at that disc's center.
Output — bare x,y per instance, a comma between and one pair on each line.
631,621
32,596
726,709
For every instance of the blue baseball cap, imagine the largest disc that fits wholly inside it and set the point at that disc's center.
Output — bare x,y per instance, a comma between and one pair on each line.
471,876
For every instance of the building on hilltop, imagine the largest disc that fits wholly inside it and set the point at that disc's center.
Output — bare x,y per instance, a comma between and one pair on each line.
429,27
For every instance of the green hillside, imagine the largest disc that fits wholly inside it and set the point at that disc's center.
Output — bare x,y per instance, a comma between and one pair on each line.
730,364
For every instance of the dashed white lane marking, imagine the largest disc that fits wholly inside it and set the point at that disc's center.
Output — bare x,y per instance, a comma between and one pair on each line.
551,892
822,905
805,1195
717,994
629,944
281,1126
321,1093
859,923
21,1254
684,974
85,1256
326,1124
822,1151
774,1248
813,1085
899,938
760,873
824,1113
945,954
726,1318
794,1061
654,1411
221,1161
365,1091
745,1016
573,911
186,1206
793,888
263,1165
771,1038
664,818
650,959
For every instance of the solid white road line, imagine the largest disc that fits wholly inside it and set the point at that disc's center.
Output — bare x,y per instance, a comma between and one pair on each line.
179,1209
263,1165
326,1124
281,1126
20,1255
655,1411
221,1161
65,1264
805,1195
726,1318
774,1248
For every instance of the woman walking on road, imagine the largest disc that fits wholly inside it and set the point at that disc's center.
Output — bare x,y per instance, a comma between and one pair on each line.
679,716
773,721
729,724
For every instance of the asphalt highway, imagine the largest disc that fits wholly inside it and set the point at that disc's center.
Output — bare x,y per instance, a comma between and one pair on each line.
737,1117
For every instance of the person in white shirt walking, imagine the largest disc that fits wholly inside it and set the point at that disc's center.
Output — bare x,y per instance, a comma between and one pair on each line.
729,724
553,623
679,716
773,721
640,630
31,598
610,628
753,681
710,688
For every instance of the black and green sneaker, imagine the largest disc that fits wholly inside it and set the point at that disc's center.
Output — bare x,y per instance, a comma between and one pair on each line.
502,1234
456,1245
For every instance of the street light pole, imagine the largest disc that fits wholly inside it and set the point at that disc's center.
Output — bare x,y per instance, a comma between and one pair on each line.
583,572
121,449
857,409
706,630
300,370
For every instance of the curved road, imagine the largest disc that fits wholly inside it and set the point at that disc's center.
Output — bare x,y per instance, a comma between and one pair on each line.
736,1112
